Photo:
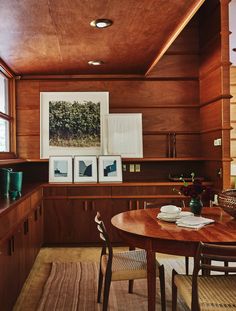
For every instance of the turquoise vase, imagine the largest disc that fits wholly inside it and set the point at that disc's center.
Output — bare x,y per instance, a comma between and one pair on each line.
195,205
5,181
16,184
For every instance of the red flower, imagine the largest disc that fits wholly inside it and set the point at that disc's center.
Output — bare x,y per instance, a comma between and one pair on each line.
196,189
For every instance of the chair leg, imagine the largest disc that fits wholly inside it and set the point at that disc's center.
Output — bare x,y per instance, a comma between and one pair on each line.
162,287
226,264
187,265
131,286
174,291
106,290
100,281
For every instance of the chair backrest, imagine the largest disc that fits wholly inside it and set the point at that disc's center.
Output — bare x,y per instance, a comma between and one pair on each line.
104,236
210,257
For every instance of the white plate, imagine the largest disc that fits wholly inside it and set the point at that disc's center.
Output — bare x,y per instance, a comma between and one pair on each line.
183,214
169,215
167,219
163,216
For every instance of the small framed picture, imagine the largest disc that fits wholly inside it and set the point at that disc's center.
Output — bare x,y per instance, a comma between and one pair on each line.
60,169
110,168
85,169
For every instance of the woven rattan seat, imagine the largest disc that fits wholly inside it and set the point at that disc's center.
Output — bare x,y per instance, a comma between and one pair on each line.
208,292
129,265
216,293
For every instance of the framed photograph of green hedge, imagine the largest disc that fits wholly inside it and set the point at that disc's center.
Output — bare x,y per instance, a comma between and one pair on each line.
72,123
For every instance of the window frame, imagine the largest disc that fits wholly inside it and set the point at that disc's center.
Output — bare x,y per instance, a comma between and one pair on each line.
11,115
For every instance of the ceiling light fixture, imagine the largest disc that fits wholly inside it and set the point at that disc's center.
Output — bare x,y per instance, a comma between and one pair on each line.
95,62
101,23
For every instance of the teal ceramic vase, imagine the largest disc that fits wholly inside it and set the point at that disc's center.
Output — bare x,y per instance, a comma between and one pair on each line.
195,205
16,183
5,182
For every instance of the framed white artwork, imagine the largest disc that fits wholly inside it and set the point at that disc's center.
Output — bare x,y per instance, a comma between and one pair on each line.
124,134
60,169
71,123
85,169
109,168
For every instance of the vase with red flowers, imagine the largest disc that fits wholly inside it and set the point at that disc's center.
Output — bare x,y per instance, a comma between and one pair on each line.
197,193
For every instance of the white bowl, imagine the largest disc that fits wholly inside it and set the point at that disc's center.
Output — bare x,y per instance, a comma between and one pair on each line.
170,209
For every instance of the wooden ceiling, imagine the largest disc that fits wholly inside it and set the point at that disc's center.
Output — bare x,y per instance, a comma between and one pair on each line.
54,37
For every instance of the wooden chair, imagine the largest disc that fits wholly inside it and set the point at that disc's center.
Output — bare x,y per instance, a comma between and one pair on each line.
129,265
208,292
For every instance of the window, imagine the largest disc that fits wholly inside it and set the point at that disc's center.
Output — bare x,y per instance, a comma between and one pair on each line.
4,115
7,113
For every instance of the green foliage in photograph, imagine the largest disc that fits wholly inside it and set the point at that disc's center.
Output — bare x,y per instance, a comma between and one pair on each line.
74,124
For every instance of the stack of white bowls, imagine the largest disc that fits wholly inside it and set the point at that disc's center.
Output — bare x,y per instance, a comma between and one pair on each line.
169,213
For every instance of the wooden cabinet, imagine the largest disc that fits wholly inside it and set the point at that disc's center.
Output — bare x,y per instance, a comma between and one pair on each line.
21,239
11,270
70,209
71,221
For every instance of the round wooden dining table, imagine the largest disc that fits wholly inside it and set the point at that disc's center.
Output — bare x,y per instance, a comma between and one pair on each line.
141,228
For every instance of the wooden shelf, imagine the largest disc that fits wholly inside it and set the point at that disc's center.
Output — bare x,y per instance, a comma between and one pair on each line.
162,159
12,161
154,159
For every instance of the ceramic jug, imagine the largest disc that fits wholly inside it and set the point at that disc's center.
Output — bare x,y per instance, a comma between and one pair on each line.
5,182
16,182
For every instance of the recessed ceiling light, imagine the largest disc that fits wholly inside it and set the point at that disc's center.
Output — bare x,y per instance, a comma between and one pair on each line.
101,23
95,62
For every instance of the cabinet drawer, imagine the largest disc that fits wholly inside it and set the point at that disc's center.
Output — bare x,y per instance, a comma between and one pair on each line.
89,191
143,190
36,198
13,217
54,191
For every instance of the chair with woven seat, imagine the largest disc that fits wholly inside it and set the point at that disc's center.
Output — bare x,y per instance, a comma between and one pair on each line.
208,292
127,265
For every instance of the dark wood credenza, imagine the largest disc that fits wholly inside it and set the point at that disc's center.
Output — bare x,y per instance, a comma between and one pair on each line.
21,236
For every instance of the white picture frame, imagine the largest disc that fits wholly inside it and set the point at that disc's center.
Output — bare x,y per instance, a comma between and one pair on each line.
85,169
60,169
124,134
110,169
68,135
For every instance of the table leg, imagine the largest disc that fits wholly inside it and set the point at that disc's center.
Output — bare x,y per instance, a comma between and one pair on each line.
151,279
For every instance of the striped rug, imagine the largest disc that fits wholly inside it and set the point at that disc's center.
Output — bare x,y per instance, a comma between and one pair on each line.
73,287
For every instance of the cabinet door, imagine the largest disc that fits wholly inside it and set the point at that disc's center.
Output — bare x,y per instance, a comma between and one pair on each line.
119,206
58,219
35,231
11,278
71,221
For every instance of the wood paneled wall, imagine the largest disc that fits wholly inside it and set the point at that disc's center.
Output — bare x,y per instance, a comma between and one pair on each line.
186,93
214,90
233,117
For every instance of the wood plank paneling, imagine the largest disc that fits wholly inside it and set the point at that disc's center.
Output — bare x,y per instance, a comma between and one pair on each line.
177,66
28,146
124,96
211,116
133,93
214,89
187,41
211,90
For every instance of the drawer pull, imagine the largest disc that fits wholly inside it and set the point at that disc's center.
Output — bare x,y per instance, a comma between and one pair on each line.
130,205
85,206
93,206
